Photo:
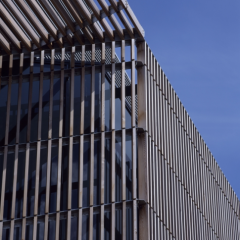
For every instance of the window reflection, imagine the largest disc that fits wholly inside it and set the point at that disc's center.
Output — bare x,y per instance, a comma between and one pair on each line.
9,186
107,172
75,168
20,184
74,228
96,226
129,166
63,229
29,231
97,172
53,181
56,107
42,181
118,224
24,112
97,113
40,231
85,226
118,168
66,107
3,111
87,106
77,104
45,109
1,171
31,182
129,226
6,233
51,229
34,111
107,225
86,173
64,178
13,114
107,105
17,232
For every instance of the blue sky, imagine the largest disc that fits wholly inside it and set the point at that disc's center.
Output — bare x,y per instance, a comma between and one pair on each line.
197,44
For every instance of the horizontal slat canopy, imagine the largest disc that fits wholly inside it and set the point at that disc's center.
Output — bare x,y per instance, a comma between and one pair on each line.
27,25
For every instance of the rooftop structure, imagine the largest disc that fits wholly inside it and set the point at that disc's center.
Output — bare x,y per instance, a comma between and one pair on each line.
94,141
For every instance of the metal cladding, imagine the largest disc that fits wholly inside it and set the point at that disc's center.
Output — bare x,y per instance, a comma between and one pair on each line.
94,141
187,196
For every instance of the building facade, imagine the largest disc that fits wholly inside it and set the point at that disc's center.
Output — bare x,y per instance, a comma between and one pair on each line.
94,141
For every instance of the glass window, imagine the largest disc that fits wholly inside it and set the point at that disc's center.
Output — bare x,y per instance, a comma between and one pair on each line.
118,224
96,226
29,231
129,166
107,225
118,170
13,113
6,233
56,107
17,232
51,229
77,104
53,181
118,101
3,112
26,66
86,174
16,67
47,64
5,68
129,226
97,114
63,229
20,184
42,181
107,172
36,67
87,110
45,109
66,107
40,231
31,183
128,99
97,172
74,228
85,226
1,171
57,63
24,112
75,167
64,177
34,111
9,186
107,104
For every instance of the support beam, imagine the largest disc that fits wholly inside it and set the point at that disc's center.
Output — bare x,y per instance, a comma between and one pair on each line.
15,28
87,15
45,21
5,44
25,25
10,35
112,18
34,21
133,18
103,21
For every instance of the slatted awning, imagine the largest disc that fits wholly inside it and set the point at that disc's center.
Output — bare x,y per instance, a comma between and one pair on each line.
27,25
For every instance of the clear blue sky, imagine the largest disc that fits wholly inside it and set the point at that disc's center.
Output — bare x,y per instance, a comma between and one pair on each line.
197,43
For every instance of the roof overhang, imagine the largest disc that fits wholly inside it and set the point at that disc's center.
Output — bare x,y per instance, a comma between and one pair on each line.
28,25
